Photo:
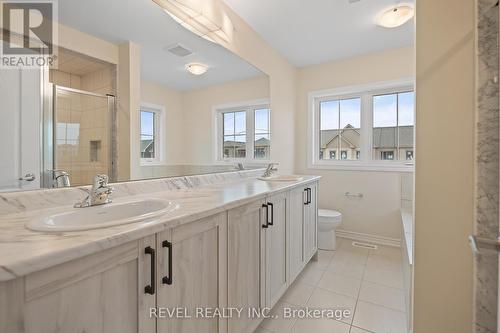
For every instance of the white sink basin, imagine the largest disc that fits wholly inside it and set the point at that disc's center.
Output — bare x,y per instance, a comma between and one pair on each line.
103,216
282,178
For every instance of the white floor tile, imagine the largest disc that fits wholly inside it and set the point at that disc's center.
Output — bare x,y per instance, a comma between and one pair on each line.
310,275
381,295
358,330
324,299
320,326
346,268
377,318
389,278
387,251
298,293
389,264
340,284
279,324
324,258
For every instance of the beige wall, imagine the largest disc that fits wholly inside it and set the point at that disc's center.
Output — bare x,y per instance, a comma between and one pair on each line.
378,212
247,44
444,177
197,111
170,99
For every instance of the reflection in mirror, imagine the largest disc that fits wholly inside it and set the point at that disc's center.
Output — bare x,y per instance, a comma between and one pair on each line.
133,95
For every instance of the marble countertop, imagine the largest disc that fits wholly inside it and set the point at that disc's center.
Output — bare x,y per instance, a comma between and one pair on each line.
23,251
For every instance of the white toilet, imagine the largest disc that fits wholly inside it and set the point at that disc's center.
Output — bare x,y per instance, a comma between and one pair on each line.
328,222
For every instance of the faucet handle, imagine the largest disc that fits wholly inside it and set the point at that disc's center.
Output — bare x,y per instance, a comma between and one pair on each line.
100,180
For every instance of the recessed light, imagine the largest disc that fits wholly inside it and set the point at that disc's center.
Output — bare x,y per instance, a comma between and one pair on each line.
395,16
196,68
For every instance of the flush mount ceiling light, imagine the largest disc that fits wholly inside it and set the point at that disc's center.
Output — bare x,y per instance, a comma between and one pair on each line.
196,68
395,16
205,18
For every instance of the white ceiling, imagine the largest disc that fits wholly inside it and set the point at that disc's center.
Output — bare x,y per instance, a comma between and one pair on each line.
145,23
315,31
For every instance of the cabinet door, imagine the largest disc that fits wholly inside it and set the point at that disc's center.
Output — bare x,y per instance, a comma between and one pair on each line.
296,226
192,275
276,249
100,293
245,265
311,222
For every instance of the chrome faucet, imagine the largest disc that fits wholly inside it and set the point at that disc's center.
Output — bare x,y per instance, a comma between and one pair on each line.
61,179
98,195
240,166
270,170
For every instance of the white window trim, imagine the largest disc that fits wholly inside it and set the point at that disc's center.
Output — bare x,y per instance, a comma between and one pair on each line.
160,128
365,163
217,126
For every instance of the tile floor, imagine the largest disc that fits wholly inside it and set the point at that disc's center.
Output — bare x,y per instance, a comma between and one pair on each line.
367,282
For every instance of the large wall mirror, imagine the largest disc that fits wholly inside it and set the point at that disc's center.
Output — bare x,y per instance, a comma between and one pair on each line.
133,95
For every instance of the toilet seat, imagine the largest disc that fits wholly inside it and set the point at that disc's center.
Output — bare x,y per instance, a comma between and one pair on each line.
329,216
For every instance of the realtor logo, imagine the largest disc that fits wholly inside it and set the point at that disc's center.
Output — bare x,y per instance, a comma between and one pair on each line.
29,33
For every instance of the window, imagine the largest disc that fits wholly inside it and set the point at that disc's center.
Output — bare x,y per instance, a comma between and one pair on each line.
151,118
244,133
340,123
393,125
369,127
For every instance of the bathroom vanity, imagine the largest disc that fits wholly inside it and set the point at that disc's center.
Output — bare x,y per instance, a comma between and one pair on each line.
231,245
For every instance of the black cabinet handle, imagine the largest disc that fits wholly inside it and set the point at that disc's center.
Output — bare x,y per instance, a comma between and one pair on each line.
167,279
265,226
308,195
272,213
150,289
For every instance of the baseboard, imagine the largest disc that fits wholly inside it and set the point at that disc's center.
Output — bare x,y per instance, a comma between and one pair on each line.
368,238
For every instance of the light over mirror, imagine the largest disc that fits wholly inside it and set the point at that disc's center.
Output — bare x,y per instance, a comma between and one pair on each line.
134,95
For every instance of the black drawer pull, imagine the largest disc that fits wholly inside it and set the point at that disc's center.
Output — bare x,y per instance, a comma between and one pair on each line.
265,226
150,289
168,278
308,195
272,213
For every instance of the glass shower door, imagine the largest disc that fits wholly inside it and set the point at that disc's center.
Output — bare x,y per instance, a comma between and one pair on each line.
82,134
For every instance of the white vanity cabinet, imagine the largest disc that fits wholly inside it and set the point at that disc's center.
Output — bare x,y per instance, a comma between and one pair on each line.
244,258
246,274
191,275
274,248
303,227
99,293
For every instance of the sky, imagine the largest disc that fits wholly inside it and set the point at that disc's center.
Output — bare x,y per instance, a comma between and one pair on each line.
348,111
235,124
147,125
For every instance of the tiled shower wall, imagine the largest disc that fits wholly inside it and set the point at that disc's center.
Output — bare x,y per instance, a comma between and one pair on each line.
83,125
487,159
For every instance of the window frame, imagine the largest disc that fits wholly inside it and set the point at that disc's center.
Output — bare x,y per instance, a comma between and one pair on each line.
159,130
366,92
249,108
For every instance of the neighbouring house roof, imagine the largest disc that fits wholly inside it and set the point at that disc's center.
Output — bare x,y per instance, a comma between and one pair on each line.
146,145
383,137
262,142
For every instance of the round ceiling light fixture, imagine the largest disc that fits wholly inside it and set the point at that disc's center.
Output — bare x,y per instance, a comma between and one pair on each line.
196,68
395,16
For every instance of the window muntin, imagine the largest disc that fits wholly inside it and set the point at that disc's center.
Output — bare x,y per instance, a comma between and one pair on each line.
393,125
262,136
340,124
244,133
148,134
234,134
401,119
